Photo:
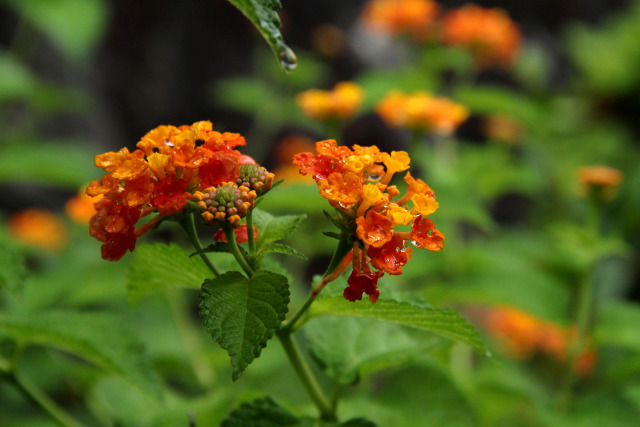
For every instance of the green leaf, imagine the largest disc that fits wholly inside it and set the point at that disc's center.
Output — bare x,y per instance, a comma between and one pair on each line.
100,338
262,13
12,270
64,163
444,322
272,228
214,247
618,325
73,25
159,266
242,314
260,412
281,248
350,347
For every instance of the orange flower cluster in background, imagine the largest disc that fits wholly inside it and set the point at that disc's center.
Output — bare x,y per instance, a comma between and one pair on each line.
160,176
39,228
599,179
414,17
490,34
81,207
356,181
342,102
522,335
421,110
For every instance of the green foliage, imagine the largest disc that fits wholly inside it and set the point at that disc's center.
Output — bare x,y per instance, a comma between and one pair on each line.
272,228
260,412
444,322
158,266
65,163
114,349
349,347
266,412
75,26
262,13
12,270
242,314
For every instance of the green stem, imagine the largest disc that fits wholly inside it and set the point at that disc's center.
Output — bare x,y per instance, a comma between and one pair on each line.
32,393
309,381
189,226
343,248
250,234
583,314
416,142
235,250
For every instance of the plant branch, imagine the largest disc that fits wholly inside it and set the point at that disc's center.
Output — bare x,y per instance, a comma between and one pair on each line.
309,381
250,234
189,226
235,250
32,393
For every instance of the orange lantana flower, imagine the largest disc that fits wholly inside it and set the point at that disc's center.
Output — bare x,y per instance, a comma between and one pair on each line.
522,335
161,176
39,228
600,180
342,102
355,181
490,35
421,110
414,17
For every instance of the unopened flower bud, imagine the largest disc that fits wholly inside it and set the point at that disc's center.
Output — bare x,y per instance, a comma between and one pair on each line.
227,202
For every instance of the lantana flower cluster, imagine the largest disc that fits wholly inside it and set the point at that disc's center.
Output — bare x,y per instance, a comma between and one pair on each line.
401,16
522,335
422,110
356,181
488,34
491,36
342,102
170,165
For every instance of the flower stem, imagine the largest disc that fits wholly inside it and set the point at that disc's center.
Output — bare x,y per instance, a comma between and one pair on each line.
306,376
235,250
189,226
32,393
342,250
250,234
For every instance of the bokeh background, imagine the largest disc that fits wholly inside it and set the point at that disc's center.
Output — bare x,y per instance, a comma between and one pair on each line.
82,77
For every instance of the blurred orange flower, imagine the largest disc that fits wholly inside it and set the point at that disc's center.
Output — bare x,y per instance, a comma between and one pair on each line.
602,180
522,335
80,208
342,102
39,228
490,35
421,110
414,17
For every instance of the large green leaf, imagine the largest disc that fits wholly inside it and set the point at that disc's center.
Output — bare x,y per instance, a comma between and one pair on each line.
349,347
160,266
73,25
618,325
12,270
272,228
100,338
242,314
262,13
444,322
260,412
